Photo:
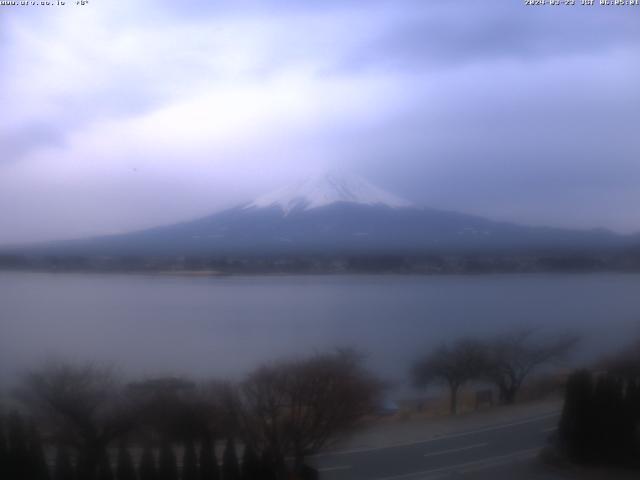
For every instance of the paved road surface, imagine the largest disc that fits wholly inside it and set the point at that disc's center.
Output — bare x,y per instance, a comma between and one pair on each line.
501,451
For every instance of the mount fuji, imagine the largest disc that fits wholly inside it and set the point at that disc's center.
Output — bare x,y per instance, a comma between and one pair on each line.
339,214
316,192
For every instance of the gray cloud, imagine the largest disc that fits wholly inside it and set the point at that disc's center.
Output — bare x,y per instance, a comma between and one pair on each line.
436,35
121,116
16,143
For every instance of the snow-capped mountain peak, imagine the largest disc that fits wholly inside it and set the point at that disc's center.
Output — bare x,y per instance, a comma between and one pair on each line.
325,190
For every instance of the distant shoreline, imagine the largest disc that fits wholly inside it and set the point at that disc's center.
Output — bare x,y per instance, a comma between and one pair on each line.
222,274
332,263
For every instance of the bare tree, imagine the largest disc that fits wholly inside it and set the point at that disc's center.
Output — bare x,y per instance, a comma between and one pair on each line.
82,406
454,365
510,358
295,408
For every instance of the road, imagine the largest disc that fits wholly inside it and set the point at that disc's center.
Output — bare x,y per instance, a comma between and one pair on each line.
499,451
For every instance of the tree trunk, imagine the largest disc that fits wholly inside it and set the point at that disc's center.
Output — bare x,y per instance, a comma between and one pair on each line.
453,407
87,463
508,394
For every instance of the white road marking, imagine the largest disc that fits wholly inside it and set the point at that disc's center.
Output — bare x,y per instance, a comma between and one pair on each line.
501,460
468,466
453,450
437,439
549,430
333,469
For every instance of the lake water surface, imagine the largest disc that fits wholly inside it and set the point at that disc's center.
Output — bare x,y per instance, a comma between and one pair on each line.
225,326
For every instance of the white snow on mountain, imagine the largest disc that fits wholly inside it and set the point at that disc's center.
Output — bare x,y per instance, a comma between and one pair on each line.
325,190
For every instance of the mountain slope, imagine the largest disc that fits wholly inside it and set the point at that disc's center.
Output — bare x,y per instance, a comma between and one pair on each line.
332,214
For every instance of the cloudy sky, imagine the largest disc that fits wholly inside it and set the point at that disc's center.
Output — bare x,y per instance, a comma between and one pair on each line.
120,115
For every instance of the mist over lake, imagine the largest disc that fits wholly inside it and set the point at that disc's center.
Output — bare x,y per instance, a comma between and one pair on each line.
224,327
